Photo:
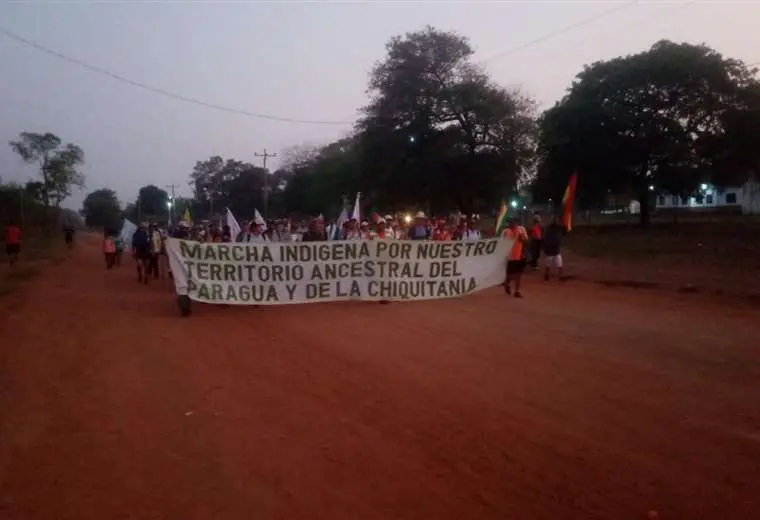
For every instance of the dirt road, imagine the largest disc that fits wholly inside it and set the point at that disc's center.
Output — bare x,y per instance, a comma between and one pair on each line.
579,402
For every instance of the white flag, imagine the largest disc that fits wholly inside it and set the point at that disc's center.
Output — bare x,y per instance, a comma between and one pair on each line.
128,229
259,220
357,214
337,231
232,222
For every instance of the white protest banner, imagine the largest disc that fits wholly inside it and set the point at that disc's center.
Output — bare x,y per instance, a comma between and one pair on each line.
306,272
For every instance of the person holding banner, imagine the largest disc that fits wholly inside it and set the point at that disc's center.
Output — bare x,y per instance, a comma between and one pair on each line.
441,233
419,231
316,232
364,232
253,232
383,233
352,231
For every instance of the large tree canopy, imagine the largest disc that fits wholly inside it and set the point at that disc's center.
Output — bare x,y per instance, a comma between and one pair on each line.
662,120
437,131
218,184
58,164
101,209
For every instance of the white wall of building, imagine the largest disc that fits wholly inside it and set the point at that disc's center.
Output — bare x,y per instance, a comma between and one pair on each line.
746,197
751,198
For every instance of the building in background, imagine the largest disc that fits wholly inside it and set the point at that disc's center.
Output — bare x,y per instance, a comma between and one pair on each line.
744,198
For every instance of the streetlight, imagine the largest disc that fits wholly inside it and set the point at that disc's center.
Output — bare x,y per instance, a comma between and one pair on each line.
513,203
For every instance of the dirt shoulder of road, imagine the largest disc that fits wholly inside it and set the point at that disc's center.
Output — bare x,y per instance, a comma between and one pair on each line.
37,253
716,258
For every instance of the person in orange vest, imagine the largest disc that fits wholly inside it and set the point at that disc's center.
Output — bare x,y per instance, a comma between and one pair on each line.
536,238
109,248
516,258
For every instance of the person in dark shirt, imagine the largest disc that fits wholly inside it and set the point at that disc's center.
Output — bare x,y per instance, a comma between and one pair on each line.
315,233
226,233
551,245
68,235
182,231
419,230
141,251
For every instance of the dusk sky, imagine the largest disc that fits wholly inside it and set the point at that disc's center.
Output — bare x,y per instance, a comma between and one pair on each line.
301,60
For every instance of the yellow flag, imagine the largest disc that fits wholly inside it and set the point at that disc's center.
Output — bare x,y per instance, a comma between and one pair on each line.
187,215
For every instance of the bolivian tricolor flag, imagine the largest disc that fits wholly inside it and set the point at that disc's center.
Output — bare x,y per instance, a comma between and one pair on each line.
501,218
567,202
187,217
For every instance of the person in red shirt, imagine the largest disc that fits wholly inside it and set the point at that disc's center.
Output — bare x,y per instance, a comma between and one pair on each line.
440,233
536,238
12,242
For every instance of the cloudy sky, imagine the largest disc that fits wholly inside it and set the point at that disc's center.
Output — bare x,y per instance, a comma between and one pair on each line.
298,60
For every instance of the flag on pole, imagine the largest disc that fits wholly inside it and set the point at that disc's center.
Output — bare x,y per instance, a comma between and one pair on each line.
357,214
342,219
500,218
128,228
233,224
259,220
567,202
187,217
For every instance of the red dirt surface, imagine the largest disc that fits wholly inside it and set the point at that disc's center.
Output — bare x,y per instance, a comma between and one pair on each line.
578,402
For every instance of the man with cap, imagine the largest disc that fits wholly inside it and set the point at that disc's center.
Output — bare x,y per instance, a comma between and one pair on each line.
316,231
364,231
382,232
419,230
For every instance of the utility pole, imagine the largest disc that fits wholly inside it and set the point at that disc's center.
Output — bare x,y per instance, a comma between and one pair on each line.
264,156
172,202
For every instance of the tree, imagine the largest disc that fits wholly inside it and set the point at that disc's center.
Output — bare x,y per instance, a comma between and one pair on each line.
233,184
152,204
101,209
668,118
58,164
437,130
319,184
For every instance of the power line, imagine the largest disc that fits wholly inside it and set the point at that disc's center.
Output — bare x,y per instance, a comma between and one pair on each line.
160,91
561,31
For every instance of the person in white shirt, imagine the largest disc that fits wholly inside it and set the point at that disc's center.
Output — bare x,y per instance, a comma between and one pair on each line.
352,232
471,232
278,233
253,233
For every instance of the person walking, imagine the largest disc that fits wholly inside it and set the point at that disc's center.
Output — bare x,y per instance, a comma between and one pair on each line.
551,247
536,237
141,251
516,258
13,242
109,248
